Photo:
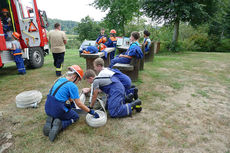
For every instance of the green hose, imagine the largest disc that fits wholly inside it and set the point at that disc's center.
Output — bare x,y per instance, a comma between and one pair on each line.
11,14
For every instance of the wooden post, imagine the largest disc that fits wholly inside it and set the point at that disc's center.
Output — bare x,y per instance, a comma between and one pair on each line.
134,74
149,57
143,59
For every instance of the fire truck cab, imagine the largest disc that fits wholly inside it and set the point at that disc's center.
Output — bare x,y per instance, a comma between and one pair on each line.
30,23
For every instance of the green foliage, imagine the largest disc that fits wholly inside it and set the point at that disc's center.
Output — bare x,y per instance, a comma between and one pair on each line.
224,46
195,11
67,26
73,42
88,29
173,12
120,12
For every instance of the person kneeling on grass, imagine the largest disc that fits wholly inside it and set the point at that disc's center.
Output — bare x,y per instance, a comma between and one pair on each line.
115,92
130,90
133,51
60,113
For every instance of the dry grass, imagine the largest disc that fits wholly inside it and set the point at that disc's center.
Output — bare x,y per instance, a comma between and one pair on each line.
186,108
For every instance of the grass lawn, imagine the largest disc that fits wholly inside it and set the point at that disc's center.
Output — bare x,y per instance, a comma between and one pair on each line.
186,108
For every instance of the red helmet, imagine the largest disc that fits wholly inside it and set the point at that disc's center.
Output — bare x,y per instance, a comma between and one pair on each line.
5,10
16,35
113,31
77,69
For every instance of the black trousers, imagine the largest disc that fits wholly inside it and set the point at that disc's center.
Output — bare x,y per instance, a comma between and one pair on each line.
58,60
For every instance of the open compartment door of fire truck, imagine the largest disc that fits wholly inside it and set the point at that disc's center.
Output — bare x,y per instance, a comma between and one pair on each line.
27,21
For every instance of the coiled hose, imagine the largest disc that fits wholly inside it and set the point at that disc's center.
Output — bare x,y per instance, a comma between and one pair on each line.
97,122
28,99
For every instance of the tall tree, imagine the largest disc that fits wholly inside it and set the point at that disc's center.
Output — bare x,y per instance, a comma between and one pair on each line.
174,11
120,12
87,29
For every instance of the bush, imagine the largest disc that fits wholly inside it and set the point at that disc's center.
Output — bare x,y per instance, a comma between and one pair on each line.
224,46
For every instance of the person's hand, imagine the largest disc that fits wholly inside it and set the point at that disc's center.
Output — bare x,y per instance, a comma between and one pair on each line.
92,112
120,55
85,90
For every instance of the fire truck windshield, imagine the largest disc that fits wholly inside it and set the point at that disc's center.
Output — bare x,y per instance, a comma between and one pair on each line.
26,8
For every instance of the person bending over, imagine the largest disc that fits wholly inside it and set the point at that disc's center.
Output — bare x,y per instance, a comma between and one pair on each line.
60,113
115,92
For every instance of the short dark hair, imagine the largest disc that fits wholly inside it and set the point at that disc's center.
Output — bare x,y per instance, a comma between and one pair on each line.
56,25
136,35
146,32
89,73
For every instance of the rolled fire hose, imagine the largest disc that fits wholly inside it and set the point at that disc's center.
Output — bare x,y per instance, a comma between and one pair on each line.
28,99
97,122
90,120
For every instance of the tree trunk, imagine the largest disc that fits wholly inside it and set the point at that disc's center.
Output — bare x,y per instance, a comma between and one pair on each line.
123,25
176,31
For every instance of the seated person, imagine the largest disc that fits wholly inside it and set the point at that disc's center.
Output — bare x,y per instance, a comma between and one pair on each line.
101,35
112,42
115,92
147,41
6,21
134,50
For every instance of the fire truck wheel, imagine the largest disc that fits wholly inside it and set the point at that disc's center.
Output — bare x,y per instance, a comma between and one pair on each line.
36,58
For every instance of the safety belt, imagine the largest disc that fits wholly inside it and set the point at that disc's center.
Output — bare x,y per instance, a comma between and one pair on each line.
57,88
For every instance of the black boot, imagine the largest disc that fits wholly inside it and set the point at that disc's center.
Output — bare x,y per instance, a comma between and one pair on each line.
135,93
136,104
57,126
47,127
129,98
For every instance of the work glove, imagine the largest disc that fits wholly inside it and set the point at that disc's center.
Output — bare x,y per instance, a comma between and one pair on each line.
92,112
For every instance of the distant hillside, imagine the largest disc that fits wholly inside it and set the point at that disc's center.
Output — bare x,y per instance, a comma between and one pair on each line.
66,25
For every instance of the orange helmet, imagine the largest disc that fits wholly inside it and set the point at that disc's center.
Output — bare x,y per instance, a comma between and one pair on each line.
5,10
16,35
113,31
77,69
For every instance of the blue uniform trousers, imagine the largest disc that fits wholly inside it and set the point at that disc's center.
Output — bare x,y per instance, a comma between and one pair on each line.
112,54
58,60
115,101
19,61
125,80
57,109
118,59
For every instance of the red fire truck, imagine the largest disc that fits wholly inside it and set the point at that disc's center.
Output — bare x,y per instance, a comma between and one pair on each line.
30,23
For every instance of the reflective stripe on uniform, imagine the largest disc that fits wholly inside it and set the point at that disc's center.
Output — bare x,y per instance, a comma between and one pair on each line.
17,54
127,109
59,69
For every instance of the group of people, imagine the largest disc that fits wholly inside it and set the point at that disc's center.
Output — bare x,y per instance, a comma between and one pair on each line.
134,49
122,96
58,40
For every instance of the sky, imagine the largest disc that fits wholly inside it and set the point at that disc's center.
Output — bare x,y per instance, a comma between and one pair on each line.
73,10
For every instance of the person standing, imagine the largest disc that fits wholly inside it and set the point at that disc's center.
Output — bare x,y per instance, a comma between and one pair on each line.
58,41
101,36
17,53
112,42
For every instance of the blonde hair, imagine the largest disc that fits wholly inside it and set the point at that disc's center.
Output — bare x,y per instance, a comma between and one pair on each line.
99,62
